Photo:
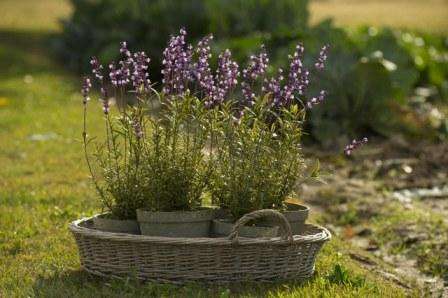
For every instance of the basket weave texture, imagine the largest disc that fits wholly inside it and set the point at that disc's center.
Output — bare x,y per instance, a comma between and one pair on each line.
210,260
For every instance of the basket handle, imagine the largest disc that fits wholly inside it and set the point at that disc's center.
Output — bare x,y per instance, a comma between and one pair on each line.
283,223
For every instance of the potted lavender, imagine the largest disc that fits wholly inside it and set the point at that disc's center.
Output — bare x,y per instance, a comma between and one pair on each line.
204,132
150,165
176,172
258,160
116,163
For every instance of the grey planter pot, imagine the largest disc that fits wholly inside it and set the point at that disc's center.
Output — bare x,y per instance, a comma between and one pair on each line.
103,223
297,215
223,227
188,224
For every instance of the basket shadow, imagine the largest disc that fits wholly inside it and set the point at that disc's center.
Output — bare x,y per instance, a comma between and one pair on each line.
82,284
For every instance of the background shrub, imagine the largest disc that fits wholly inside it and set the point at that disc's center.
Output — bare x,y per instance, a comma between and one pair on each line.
97,26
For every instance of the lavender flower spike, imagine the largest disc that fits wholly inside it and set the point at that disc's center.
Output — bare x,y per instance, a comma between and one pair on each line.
298,75
177,65
273,86
320,64
120,76
124,49
86,85
316,100
256,68
354,145
105,100
140,76
226,75
202,69
97,69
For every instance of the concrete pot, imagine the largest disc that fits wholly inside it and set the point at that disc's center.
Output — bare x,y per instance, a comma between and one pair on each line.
223,227
188,224
296,214
105,223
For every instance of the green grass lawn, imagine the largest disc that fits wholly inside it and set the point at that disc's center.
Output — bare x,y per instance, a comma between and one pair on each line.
426,16
44,183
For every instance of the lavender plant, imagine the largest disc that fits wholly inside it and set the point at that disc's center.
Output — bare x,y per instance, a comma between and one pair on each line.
147,161
115,165
257,156
236,134
257,163
176,171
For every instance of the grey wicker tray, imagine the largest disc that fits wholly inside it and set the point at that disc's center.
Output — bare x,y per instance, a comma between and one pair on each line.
210,260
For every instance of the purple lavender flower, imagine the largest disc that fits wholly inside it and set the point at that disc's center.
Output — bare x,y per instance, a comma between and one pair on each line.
316,100
274,87
226,76
257,65
121,76
86,86
296,85
202,71
256,68
140,75
298,79
124,49
354,145
177,65
320,64
97,69
105,100
133,68
216,87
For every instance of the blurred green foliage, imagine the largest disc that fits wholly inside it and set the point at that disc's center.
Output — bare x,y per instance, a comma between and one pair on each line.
371,76
371,73
97,26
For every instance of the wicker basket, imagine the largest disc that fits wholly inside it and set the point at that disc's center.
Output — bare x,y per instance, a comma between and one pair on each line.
211,260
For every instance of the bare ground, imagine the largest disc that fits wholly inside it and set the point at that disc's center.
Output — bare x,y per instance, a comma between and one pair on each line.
391,201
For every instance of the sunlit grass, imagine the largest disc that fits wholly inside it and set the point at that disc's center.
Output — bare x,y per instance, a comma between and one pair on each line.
428,16
36,15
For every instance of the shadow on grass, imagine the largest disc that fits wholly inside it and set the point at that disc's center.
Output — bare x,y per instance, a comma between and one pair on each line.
82,284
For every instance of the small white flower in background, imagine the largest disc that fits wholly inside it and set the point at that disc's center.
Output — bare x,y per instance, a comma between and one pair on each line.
28,79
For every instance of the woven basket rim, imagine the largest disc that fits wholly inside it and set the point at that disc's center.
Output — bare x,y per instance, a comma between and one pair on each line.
76,227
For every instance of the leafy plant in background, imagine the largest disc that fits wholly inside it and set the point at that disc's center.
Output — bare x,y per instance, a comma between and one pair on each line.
430,56
419,59
96,26
370,79
361,96
419,64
